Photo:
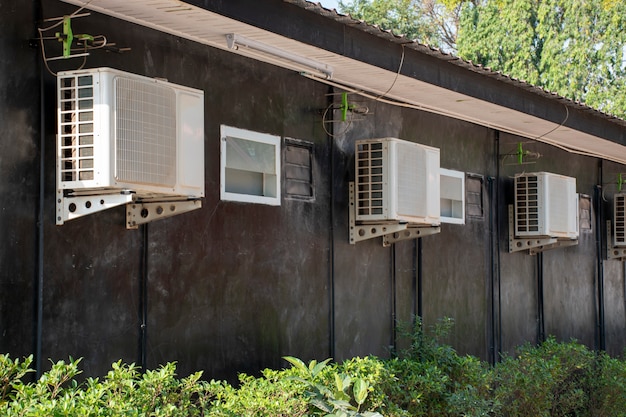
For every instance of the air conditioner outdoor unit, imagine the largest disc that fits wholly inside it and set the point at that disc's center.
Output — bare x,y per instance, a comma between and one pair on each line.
546,205
397,181
619,220
124,132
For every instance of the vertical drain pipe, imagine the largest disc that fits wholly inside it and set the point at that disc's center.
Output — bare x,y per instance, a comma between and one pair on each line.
492,271
494,255
41,210
394,336
600,338
541,332
331,238
143,299
420,273
624,285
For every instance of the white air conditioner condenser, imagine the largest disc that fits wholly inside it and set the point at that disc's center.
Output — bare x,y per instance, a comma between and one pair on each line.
546,205
121,131
397,181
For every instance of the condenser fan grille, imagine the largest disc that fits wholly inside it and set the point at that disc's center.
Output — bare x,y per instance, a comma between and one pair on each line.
76,127
619,229
527,204
145,131
369,179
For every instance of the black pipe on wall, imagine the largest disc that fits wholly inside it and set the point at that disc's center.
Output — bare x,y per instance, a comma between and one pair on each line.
419,275
494,348
494,253
331,236
600,330
41,208
394,336
624,287
143,300
541,330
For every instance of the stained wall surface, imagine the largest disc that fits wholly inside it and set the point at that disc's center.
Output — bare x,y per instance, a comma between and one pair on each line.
233,287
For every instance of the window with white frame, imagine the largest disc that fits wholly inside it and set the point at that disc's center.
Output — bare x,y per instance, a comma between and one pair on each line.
250,166
452,196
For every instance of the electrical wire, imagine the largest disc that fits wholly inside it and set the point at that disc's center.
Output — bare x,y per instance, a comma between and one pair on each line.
57,24
381,98
393,83
395,79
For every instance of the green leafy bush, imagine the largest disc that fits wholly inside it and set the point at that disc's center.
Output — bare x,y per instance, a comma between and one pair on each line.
561,379
429,378
332,392
607,387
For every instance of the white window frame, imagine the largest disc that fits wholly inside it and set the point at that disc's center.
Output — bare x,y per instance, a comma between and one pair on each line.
233,132
454,198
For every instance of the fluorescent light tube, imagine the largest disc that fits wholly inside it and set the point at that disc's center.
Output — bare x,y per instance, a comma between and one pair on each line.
277,55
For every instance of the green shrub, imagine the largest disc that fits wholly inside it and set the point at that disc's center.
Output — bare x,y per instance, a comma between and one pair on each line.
331,392
557,379
607,387
275,394
124,391
11,373
429,378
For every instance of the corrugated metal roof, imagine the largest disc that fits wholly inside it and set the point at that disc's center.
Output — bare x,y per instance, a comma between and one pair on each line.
356,75
448,57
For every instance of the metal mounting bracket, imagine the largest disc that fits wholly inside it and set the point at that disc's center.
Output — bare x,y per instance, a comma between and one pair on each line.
534,245
613,252
390,232
72,207
410,233
144,212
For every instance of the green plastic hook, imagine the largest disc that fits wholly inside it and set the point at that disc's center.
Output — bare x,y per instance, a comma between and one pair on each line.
344,106
68,36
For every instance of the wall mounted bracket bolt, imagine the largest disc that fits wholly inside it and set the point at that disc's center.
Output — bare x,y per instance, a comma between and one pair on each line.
533,244
138,211
69,207
612,251
144,212
390,232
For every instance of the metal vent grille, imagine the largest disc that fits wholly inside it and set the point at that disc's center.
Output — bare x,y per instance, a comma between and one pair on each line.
145,131
619,220
76,119
527,204
369,179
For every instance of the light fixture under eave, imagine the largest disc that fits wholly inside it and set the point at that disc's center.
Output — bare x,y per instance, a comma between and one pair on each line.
277,55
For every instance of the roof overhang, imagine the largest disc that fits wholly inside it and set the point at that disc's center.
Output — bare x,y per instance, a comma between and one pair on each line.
211,28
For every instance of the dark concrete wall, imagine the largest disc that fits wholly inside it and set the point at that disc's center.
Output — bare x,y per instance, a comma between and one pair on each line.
234,287
19,170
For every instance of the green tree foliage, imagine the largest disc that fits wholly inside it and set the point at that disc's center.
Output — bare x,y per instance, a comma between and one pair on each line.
572,47
576,48
432,22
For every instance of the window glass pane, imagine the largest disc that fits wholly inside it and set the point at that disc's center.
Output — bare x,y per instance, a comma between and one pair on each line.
250,168
247,155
